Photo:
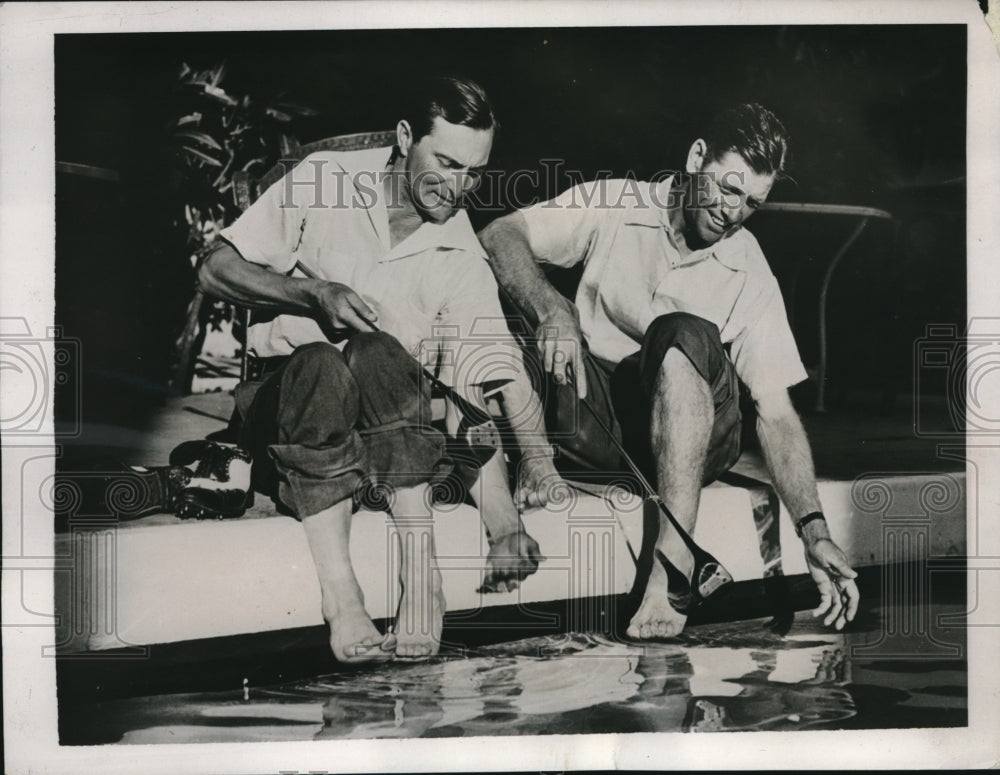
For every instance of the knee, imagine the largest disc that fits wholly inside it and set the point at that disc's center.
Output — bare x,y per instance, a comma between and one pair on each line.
317,361
698,339
376,348
682,327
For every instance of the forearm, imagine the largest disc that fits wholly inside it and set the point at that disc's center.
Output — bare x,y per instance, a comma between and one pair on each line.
490,491
523,411
516,269
789,460
228,276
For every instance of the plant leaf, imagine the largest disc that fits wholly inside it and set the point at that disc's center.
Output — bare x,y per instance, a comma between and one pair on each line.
252,162
300,110
191,118
200,137
203,156
275,113
219,94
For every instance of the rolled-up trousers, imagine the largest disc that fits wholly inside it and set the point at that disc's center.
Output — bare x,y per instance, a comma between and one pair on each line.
327,425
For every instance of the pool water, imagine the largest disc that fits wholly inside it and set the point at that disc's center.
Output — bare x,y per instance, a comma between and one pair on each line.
715,678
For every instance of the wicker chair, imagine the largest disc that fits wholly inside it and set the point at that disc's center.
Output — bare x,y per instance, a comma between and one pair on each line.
246,189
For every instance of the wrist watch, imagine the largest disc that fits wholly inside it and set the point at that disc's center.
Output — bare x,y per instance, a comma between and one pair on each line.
811,517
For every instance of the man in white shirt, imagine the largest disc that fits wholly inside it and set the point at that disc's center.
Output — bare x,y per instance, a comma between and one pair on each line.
351,263
670,282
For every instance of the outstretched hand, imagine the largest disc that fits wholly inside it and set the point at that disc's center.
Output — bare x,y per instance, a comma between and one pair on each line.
838,592
512,558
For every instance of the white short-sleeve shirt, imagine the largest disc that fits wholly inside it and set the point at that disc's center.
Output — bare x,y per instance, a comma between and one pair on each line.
634,273
434,291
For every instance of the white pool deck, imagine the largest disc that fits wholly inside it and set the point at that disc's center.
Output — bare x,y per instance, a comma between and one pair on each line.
162,580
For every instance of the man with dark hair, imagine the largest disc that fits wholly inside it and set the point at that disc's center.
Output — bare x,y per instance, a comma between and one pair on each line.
754,132
351,263
457,101
670,283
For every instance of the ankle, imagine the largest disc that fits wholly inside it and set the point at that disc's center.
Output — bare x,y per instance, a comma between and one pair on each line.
679,556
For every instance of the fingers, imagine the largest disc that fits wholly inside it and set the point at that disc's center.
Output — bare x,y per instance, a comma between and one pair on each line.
838,600
554,354
547,349
495,583
511,560
532,494
561,351
520,495
360,310
348,318
836,606
838,567
825,599
579,373
536,497
345,309
526,497
850,590
830,604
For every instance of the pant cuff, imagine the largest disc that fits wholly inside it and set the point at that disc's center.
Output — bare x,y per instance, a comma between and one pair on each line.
315,479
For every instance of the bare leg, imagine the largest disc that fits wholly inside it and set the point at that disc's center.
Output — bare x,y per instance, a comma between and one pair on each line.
681,422
353,636
420,617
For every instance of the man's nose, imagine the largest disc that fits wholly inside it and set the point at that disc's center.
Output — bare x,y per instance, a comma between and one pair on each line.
731,212
463,182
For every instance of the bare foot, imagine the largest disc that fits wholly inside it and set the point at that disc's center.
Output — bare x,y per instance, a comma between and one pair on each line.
354,639
421,615
656,618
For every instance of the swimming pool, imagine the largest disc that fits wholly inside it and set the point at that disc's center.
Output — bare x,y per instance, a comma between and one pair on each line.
898,666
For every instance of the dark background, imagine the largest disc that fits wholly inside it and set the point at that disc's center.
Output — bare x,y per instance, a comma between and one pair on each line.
876,113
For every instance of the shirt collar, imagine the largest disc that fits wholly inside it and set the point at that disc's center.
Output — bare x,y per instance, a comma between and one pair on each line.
652,211
454,234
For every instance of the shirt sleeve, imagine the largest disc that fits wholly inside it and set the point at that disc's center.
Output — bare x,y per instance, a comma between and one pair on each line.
476,348
562,230
270,231
764,353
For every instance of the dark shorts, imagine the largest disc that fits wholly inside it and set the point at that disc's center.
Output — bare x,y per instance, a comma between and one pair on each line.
622,396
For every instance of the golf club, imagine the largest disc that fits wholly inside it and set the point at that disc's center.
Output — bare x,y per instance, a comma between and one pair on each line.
709,575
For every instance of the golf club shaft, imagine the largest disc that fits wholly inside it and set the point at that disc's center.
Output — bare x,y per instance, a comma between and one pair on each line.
651,494
701,556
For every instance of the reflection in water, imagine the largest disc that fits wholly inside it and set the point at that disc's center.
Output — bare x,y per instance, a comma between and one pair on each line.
726,677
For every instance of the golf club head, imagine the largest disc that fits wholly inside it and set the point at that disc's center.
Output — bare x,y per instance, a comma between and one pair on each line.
711,577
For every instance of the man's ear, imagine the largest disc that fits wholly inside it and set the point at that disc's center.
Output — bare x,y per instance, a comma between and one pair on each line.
404,137
696,156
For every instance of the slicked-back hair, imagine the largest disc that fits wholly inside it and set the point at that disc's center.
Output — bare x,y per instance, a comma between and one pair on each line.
752,131
456,100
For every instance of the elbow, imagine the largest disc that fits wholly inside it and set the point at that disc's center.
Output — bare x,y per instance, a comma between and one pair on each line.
776,409
208,273
499,232
489,235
